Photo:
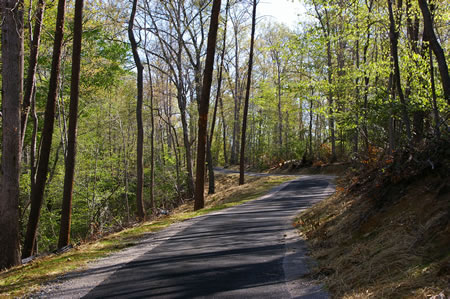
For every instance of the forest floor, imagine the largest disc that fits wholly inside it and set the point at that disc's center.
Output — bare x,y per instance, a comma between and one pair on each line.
385,233
29,278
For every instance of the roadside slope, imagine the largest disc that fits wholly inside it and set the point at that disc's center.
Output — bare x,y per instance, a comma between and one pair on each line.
386,231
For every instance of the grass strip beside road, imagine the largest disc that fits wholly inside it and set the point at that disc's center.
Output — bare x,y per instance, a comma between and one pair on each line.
28,278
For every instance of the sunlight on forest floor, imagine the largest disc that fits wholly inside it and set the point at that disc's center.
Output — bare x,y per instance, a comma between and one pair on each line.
28,278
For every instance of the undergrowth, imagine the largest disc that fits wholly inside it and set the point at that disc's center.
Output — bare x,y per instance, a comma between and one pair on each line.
385,233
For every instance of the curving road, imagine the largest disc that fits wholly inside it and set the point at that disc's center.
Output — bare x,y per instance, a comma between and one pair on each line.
248,251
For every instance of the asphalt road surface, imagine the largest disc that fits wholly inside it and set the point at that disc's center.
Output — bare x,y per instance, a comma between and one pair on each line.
248,251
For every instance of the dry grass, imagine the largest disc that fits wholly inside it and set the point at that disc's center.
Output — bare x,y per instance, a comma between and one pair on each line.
394,246
26,279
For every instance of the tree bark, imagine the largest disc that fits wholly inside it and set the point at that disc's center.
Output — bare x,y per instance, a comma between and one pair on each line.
66,212
211,187
32,65
330,103
37,190
437,130
237,101
152,140
12,91
247,96
430,36
204,106
224,128
393,35
140,127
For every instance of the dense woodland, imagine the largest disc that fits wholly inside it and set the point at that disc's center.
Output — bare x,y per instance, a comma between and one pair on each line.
112,110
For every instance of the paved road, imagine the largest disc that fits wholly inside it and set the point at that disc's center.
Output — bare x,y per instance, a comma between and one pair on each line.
248,251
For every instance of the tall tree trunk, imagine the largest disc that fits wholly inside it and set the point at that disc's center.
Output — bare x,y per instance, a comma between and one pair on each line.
412,27
218,95
140,127
12,92
437,130
393,35
66,212
237,101
330,102
436,47
152,141
152,133
187,144
366,95
204,106
280,114
391,130
33,152
32,64
357,96
247,95
37,190
224,129
311,103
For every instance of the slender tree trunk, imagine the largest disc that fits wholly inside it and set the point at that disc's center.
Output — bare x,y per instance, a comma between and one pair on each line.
187,144
330,103
211,188
437,130
366,97
357,95
32,65
391,92
152,142
12,91
125,170
140,127
436,47
37,190
224,128
204,106
311,103
247,95
412,27
33,152
393,35
152,149
237,101
66,212
280,114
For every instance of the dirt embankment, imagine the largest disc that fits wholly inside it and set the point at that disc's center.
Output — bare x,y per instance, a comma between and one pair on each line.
386,231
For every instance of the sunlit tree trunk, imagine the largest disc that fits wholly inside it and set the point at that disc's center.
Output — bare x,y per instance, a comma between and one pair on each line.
393,35
218,96
66,211
247,96
204,106
140,127
37,190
